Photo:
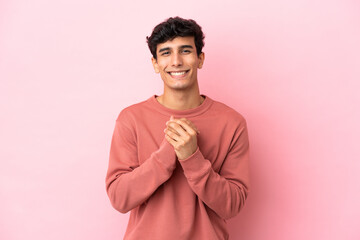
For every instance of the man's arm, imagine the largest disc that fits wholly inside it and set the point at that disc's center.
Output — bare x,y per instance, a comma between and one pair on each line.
129,184
224,192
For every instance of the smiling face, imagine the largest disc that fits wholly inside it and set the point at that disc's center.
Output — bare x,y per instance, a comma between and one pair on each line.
177,62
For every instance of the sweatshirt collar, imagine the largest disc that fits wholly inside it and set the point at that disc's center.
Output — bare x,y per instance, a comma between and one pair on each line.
203,107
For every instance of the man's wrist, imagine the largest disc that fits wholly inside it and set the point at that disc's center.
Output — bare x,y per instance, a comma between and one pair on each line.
185,158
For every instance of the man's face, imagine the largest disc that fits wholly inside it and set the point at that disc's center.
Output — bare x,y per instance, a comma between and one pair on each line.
177,62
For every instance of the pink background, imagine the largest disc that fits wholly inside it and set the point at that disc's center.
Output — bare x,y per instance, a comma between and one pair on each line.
291,68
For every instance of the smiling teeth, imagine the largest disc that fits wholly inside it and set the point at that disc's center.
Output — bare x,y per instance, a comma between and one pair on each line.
177,73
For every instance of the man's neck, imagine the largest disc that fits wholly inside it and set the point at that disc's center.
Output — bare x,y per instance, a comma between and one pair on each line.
180,100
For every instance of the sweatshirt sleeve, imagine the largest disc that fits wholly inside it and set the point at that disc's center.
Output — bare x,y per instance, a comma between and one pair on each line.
224,192
129,184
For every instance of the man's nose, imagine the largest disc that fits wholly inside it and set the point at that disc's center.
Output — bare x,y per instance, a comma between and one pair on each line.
176,59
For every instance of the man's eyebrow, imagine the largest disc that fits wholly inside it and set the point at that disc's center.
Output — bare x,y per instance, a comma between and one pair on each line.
164,49
186,46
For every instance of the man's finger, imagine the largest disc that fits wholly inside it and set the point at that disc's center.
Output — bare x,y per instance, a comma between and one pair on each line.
170,140
191,124
171,129
177,128
184,125
184,120
172,135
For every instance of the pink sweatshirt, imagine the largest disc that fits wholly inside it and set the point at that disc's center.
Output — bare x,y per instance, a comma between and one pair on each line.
174,199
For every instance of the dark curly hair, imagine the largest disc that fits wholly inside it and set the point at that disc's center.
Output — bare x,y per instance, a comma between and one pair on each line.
175,27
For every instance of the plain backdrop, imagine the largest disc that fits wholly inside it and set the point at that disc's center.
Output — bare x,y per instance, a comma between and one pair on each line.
291,68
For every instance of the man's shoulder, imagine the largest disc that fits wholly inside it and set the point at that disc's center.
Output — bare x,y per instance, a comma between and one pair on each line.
133,110
227,112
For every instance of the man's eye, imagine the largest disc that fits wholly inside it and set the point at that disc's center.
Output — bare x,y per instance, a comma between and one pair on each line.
165,53
186,51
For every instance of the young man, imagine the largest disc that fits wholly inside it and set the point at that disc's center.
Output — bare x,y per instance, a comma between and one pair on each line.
178,161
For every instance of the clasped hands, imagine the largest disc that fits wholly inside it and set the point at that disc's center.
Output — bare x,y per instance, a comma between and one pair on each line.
181,133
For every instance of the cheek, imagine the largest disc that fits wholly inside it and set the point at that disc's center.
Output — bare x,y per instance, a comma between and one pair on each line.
193,62
162,64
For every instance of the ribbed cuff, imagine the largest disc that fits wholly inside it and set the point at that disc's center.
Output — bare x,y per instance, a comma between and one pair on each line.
166,155
195,166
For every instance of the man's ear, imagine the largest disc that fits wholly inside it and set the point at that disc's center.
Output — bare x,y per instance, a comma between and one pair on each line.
155,65
201,59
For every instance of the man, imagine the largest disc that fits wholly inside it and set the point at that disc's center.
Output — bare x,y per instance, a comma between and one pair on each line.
178,161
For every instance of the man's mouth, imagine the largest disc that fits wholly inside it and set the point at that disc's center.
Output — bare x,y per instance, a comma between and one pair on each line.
178,73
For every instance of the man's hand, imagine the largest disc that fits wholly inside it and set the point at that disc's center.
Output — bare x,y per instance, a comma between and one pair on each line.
182,135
